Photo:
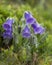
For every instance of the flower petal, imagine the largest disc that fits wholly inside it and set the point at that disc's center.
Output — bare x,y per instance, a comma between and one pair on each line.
38,29
26,32
8,24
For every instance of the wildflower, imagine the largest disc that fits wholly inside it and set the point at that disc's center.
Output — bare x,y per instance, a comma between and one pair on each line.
29,18
8,28
38,29
26,32
7,35
8,24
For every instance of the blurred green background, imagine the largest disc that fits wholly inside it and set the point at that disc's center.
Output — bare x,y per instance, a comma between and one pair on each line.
42,11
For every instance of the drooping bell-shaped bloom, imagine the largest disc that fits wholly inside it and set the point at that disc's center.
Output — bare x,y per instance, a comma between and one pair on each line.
29,18
27,15
26,32
7,34
8,24
38,29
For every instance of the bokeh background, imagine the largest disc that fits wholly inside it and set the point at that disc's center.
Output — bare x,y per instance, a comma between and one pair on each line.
42,11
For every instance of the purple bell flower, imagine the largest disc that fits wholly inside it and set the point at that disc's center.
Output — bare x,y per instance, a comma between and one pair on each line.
38,29
8,24
29,18
26,32
27,15
7,35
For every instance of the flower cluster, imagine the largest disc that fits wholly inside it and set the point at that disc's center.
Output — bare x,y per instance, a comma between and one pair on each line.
30,20
8,28
38,29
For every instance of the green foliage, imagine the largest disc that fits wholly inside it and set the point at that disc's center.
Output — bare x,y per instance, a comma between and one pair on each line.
22,50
